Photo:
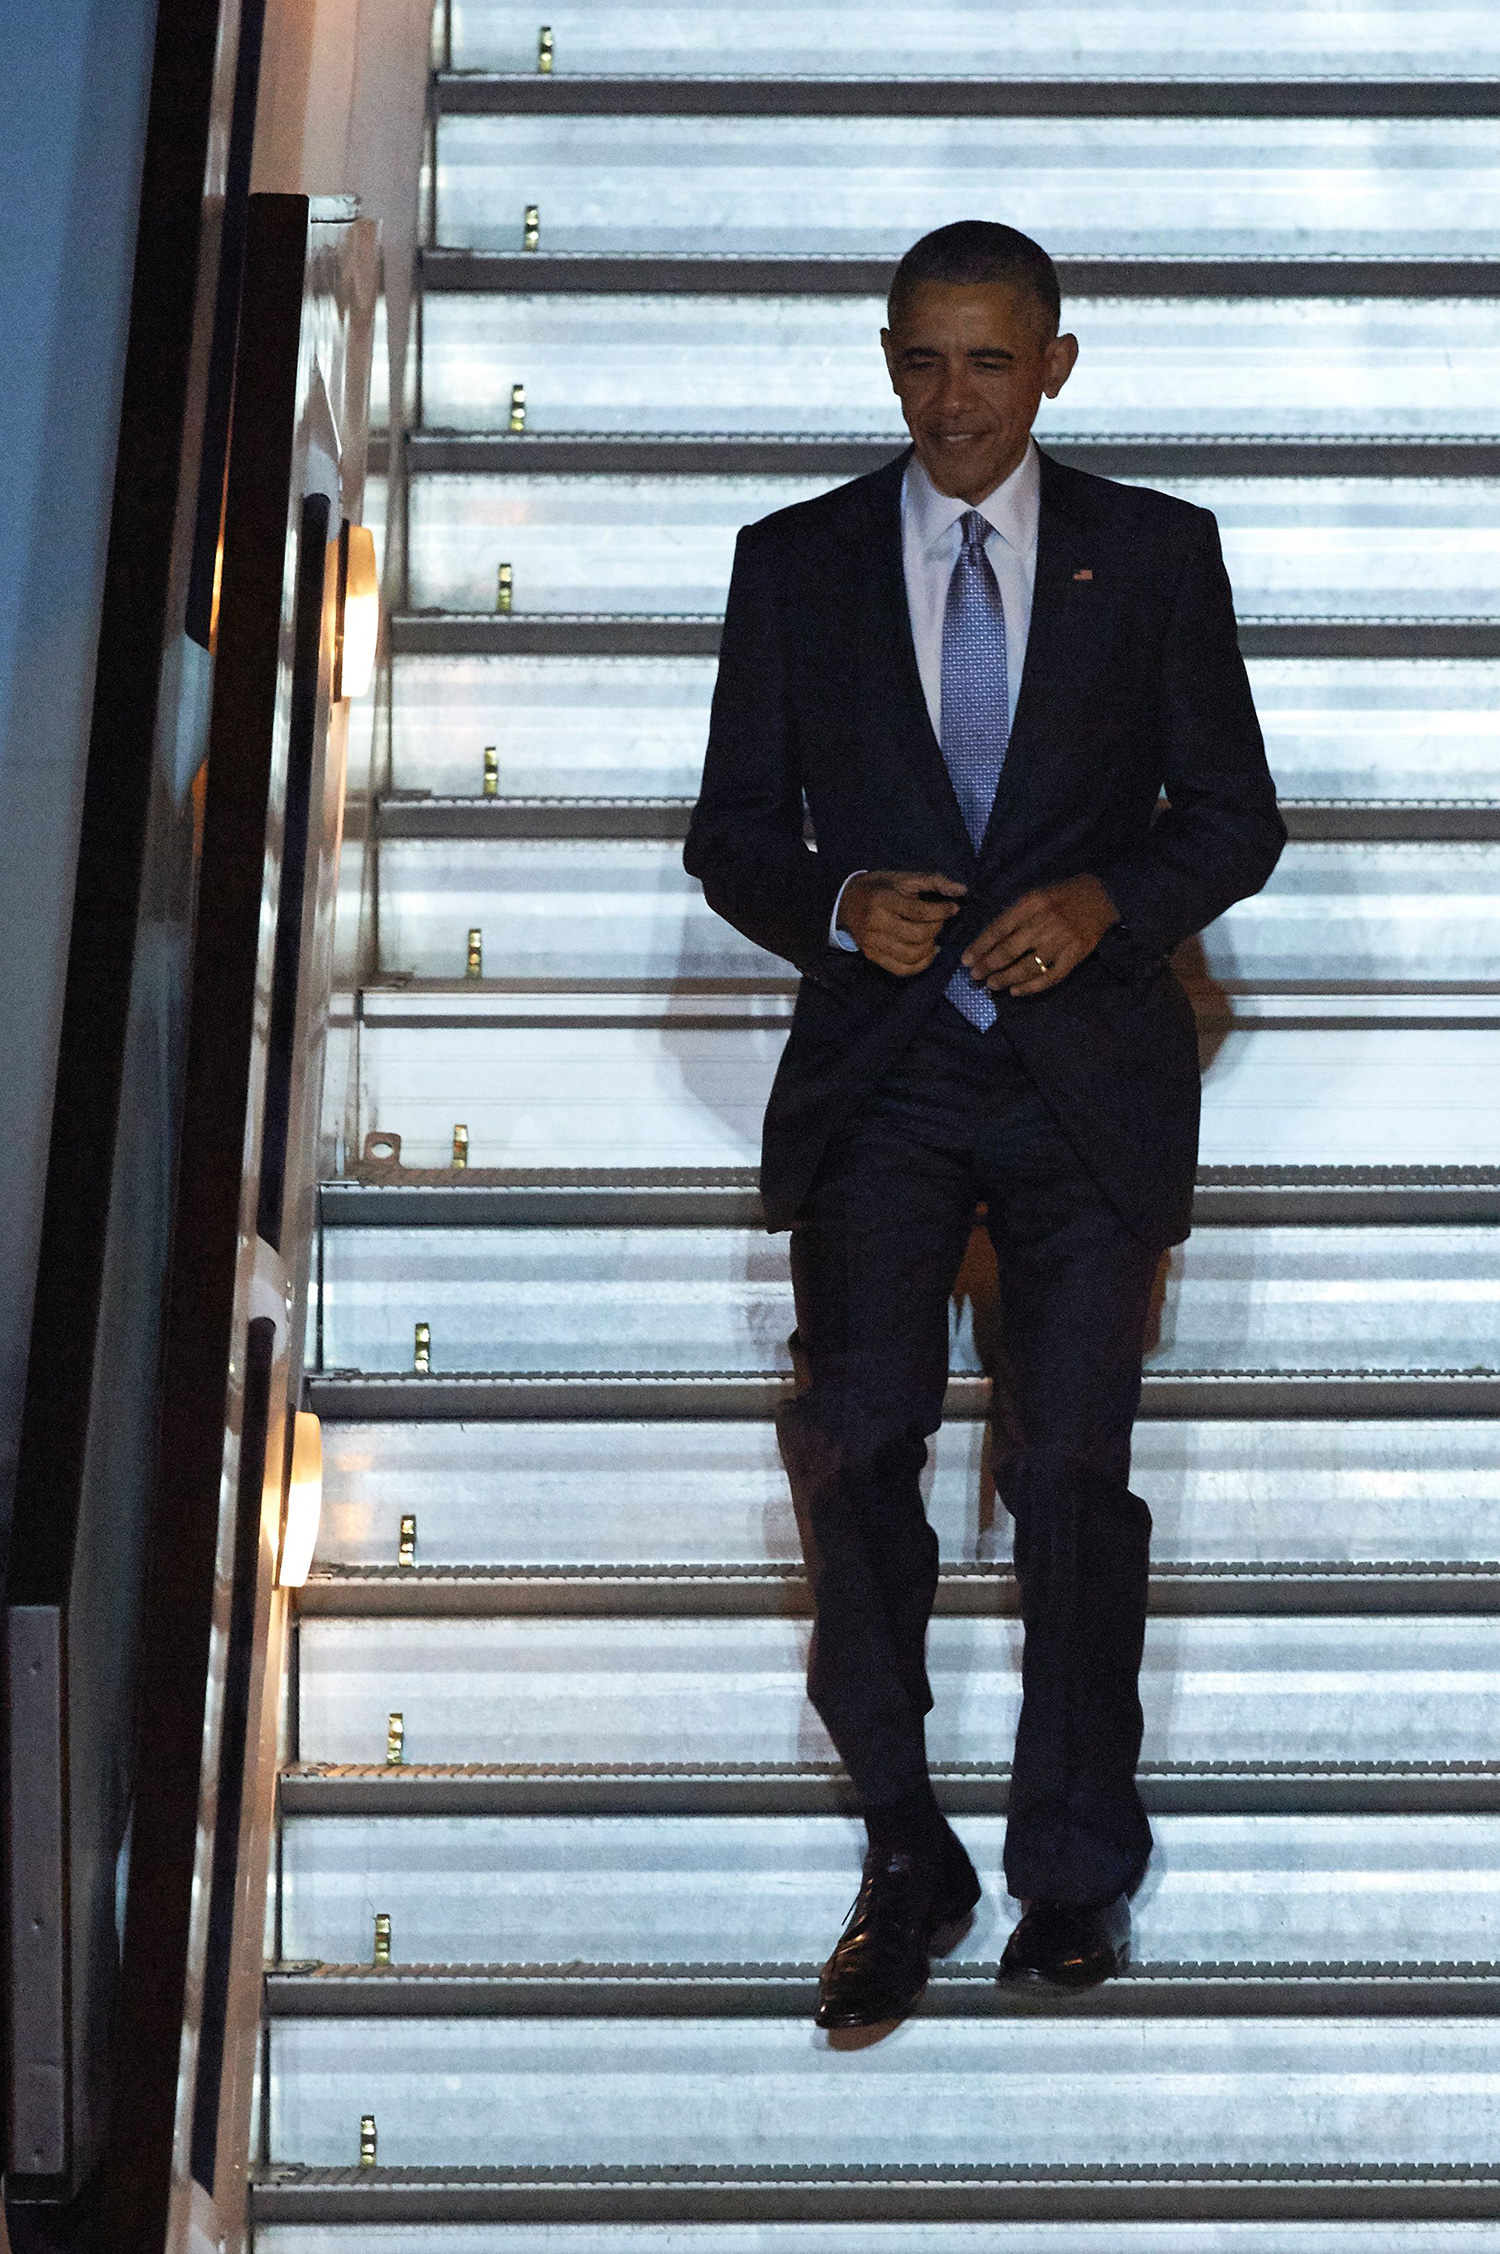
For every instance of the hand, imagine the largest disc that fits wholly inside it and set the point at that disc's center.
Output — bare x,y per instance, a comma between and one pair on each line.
1059,925
885,915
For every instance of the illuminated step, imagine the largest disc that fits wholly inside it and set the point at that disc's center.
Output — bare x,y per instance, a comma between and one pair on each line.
1296,548
944,2210
588,1494
622,727
623,908
869,186
1284,1890
1279,1692
962,37
644,1090
719,1300
1297,368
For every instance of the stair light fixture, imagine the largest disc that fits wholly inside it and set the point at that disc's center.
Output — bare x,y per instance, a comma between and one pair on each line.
544,50
460,1148
474,958
504,589
382,1937
517,407
367,2140
531,234
406,1540
358,612
491,772
421,1352
395,1741
304,1502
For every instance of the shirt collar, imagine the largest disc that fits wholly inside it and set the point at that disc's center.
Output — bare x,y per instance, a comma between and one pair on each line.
1012,510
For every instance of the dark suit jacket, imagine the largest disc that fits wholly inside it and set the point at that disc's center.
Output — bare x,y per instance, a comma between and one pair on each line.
1133,685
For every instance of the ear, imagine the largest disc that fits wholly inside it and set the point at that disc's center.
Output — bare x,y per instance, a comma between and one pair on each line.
888,347
1062,359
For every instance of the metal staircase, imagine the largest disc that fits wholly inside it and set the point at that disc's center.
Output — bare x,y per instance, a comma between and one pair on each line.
607,1834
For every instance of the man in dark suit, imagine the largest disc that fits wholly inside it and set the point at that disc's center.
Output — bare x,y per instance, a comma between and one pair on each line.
951,698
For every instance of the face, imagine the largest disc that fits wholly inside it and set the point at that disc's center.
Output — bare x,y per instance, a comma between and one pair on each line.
971,364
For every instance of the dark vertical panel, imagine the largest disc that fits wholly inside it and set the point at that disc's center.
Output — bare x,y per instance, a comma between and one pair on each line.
38,2108
260,1352
312,566
215,454
200,1345
88,1418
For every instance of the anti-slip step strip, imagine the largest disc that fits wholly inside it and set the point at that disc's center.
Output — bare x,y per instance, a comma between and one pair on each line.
480,634
964,1591
528,94
353,1396
1257,1197
713,1004
427,816
764,1991
437,453
1382,2194
1212,1788
641,274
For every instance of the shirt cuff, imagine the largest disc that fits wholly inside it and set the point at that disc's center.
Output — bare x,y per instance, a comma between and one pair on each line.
837,938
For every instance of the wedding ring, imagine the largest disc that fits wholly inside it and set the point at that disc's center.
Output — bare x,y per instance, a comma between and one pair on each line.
1041,966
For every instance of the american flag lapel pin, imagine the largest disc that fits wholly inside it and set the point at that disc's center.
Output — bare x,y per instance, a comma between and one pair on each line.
1083,575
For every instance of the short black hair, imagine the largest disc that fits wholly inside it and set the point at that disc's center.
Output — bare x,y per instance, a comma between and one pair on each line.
975,251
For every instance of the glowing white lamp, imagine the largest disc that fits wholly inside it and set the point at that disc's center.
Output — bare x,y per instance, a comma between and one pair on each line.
359,611
304,1505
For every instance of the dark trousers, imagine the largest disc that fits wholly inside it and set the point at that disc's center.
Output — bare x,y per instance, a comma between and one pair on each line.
875,1253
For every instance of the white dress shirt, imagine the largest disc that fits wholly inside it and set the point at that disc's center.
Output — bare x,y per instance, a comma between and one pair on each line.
930,541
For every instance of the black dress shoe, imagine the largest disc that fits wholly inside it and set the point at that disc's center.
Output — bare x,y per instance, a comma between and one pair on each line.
1058,1945
909,1907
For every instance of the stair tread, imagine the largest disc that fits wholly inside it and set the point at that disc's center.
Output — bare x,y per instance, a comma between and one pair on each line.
779,1574
1038,2192
974,1974
587,1989
355,1396
843,93
1263,1587
790,273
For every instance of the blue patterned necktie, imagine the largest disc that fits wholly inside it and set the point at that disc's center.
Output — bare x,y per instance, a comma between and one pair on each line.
976,714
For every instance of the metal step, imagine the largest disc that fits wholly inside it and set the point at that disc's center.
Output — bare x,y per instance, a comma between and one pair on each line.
623,908
1278,1692
986,2210
477,634
952,39
383,1195
1405,1890
683,1301
467,93
694,2093
1146,460
1334,1495
564,1084
626,272
1222,1005
1311,550
1280,1586
1297,368
789,1991
422,815
1414,731
468,1790
867,186
354,1396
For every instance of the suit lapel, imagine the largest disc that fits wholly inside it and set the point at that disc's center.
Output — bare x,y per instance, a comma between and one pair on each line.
1063,550
917,745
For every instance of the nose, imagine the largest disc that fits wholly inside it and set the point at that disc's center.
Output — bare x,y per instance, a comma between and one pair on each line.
954,393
